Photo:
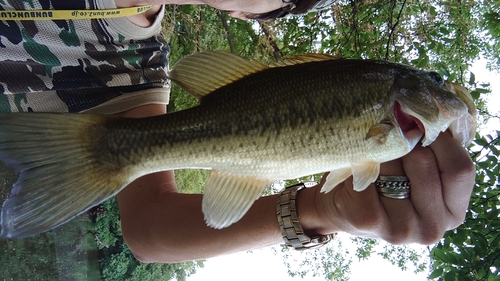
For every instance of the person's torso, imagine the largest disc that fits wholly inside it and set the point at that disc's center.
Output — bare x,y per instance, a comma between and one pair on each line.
80,62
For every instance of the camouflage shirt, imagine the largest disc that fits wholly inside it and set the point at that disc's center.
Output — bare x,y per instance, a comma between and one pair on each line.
77,65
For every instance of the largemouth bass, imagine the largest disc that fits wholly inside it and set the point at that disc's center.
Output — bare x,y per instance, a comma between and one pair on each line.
255,124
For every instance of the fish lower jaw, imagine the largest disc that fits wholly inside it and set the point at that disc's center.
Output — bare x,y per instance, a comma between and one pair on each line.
432,130
413,137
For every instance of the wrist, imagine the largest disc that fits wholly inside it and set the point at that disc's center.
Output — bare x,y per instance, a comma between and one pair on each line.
311,213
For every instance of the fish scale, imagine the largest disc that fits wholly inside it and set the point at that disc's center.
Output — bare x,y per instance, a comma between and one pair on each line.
251,119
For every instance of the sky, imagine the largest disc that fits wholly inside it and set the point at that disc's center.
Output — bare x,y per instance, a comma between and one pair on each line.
493,101
264,264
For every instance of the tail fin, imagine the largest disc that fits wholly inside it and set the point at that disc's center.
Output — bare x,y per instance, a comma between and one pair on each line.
59,176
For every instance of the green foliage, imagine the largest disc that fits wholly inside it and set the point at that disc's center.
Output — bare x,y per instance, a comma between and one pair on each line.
191,181
364,247
108,226
65,253
39,263
403,257
123,266
328,261
333,262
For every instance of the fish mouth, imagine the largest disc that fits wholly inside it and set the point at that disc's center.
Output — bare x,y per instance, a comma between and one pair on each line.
456,114
405,121
411,127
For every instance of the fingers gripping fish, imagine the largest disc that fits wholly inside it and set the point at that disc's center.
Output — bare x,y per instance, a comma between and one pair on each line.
255,124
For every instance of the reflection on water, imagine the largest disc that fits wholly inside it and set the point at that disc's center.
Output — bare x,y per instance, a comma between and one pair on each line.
68,252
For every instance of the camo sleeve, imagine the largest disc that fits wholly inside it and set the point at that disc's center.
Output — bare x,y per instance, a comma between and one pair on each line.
79,65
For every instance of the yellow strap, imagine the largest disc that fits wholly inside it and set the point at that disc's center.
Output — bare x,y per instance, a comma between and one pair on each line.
71,14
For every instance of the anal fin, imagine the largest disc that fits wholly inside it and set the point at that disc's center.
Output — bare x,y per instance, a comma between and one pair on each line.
228,197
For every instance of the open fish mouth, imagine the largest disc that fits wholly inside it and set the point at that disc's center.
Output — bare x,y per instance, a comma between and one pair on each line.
410,126
459,117
406,122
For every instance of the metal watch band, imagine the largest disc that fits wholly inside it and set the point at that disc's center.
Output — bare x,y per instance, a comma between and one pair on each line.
288,219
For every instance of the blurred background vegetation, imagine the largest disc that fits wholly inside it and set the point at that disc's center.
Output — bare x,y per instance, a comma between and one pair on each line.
445,36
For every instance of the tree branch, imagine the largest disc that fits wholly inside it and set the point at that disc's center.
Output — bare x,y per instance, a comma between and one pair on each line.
477,204
276,49
391,34
223,18
477,153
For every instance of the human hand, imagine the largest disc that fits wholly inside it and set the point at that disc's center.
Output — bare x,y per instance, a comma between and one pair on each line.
442,177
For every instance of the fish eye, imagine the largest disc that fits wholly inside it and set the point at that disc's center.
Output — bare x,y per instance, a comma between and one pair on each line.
436,77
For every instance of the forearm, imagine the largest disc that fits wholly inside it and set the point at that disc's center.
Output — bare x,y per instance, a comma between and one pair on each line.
170,228
165,226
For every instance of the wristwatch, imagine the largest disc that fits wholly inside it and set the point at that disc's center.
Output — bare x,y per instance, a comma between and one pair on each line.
288,219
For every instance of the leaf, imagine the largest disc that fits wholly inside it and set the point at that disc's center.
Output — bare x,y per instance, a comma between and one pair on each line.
481,141
439,254
459,237
432,11
456,258
472,79
450,276
436,273
464,275
480,242
482,91
480,273
468,253
475,94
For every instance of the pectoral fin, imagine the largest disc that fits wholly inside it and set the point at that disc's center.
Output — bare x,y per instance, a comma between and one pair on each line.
334,178
364,173
227,197
379,132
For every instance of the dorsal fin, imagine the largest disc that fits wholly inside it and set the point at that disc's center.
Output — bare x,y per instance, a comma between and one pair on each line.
299,59
202,73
